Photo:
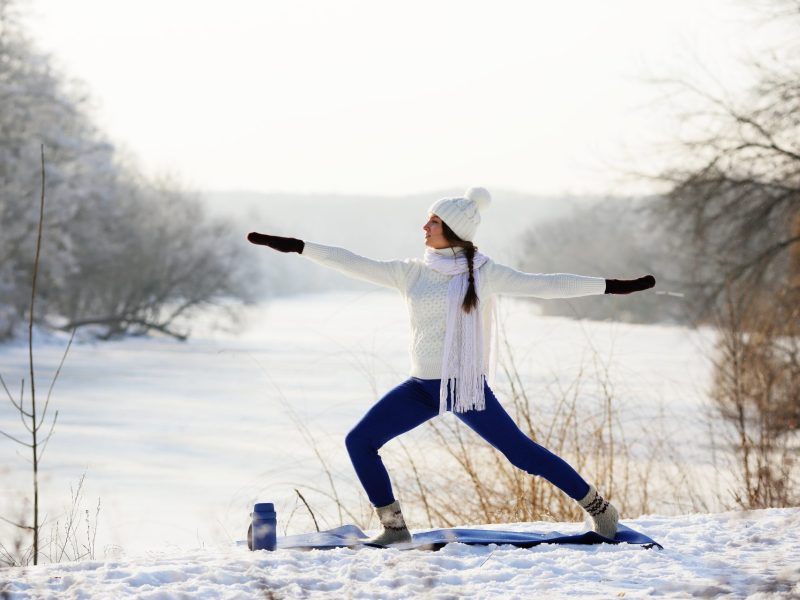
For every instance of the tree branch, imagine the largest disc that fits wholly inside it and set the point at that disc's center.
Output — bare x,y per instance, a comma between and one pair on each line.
49,435
11,437
55,378
124,320
11,398
26,527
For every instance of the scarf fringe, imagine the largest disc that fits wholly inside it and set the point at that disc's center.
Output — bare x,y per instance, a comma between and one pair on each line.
473,399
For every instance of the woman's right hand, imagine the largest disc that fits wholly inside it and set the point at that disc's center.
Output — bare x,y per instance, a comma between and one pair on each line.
281,244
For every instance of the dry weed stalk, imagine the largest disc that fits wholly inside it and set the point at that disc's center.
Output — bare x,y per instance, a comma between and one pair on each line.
756,395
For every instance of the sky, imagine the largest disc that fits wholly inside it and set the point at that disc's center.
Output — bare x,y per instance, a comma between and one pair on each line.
388,98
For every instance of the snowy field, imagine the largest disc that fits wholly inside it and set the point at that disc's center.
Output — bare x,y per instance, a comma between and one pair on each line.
179,440
728,555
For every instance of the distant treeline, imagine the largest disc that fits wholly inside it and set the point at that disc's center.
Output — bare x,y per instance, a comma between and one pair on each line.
615,238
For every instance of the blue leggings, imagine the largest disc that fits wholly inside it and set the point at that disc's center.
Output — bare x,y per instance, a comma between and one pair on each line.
415,401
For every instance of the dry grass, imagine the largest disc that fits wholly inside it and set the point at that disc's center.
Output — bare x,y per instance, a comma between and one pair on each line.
477,484
756,397
72,536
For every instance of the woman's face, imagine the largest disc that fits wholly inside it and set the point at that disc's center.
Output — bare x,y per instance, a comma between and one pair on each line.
434,236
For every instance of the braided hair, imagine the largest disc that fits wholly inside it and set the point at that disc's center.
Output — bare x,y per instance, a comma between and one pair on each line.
471,297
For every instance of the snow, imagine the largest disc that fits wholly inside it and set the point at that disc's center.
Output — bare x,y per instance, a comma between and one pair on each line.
733,554
179,440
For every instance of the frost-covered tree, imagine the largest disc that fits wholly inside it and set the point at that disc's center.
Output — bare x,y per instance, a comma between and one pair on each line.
35,108
119,251
162,258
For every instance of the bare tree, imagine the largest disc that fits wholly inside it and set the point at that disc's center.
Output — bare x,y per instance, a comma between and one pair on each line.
733,200
35,423
734,196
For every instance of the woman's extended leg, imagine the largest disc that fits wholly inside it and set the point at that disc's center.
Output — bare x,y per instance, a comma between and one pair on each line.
496,426
401,409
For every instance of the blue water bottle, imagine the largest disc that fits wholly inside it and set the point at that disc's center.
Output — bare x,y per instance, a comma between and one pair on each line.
264,526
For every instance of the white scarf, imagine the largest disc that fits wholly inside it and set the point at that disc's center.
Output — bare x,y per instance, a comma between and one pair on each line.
466,344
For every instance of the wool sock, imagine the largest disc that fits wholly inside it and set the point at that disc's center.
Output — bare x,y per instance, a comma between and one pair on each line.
604,516
394,526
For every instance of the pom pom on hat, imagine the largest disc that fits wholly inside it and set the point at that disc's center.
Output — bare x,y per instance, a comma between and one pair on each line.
462,215
479,196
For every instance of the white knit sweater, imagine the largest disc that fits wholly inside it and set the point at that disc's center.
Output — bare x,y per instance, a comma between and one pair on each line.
425,291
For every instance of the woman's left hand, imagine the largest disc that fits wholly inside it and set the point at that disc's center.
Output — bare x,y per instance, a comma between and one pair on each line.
627,286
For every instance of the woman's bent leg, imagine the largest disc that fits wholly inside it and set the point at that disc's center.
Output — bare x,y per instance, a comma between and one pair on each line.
496,426
401,409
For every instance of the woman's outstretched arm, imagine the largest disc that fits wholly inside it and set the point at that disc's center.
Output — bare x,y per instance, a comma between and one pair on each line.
389,273
505,280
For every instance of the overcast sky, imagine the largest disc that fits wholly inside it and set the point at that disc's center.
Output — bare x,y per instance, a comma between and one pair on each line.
381,97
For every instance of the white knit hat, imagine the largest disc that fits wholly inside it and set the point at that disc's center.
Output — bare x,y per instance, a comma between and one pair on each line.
462,215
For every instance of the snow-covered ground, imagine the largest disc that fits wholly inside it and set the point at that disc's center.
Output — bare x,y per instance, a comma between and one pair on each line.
179,440
729,555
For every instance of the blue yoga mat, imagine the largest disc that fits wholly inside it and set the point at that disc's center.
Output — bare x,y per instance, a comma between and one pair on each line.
351,536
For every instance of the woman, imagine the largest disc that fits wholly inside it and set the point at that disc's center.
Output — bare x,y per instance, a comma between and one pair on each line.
449,294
